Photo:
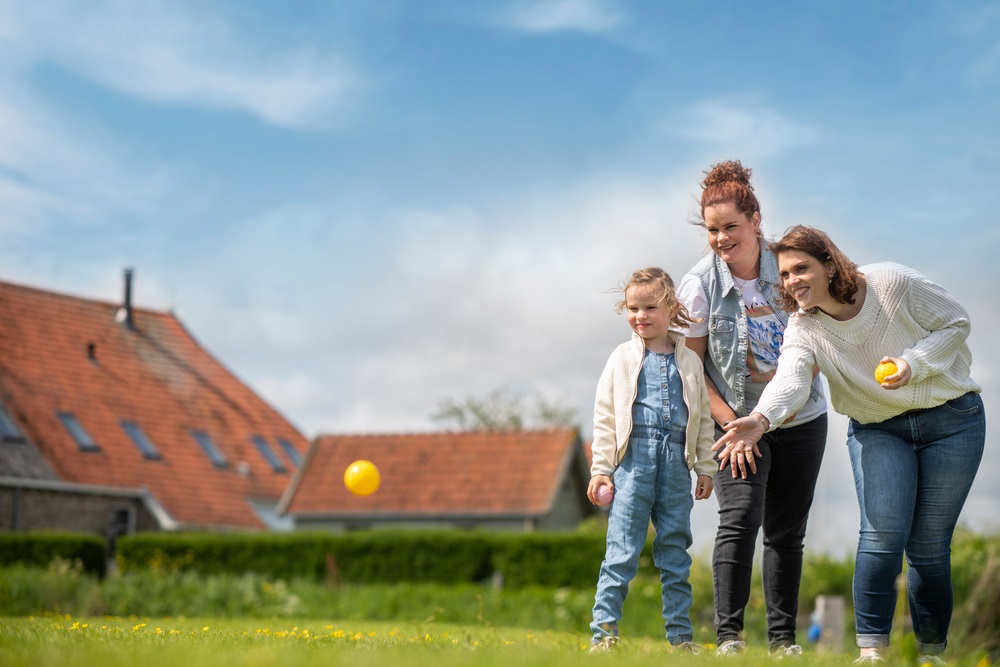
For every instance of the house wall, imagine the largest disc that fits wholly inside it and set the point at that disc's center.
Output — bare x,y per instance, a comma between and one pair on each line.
568,510
27,509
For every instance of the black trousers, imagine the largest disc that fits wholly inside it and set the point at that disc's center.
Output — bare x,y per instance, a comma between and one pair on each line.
777,497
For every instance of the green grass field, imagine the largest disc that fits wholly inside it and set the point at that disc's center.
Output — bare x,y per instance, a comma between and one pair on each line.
183,642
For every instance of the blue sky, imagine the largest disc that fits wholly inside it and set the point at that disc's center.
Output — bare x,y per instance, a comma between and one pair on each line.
364,208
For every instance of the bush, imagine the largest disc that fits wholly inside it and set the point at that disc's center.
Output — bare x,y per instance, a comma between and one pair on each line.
41,548
369,557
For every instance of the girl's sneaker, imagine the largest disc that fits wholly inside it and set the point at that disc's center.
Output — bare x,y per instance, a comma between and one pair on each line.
930,661
687,647
604,644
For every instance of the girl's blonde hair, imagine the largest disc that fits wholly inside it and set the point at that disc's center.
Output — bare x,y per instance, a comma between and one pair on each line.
661,283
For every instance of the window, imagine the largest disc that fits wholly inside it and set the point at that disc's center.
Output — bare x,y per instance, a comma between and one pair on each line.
268,453
140,439
79,433
210,448
290,451
8,429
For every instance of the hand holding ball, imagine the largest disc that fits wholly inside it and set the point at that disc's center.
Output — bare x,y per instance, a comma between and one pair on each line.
883,370
605,494
362,478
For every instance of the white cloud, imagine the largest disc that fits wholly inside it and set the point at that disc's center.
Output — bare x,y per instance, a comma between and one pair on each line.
158,51
593,16
741,128
48,170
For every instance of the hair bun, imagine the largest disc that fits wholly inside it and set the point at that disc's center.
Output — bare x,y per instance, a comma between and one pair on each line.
727,172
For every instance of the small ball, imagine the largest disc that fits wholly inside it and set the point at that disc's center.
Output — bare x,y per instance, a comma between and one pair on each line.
605,494
884,370
362,478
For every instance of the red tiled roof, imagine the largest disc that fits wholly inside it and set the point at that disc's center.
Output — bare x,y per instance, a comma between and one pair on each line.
471,473
156,375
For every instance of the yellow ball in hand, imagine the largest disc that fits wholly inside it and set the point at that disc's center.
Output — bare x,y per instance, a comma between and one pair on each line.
362,478
883,370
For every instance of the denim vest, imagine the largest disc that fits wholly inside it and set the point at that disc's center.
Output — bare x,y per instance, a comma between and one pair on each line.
728,338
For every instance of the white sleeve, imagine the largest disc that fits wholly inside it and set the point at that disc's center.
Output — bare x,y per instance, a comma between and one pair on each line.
692,294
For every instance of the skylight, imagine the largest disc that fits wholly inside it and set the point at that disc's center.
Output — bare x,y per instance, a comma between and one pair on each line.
290,451
141,440
210,448
8,429
268,453
79,433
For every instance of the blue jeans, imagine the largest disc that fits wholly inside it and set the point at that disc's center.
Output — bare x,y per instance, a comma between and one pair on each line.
912,474
652,482
777,498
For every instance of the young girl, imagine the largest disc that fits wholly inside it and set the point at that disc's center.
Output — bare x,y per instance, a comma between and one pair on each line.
652,425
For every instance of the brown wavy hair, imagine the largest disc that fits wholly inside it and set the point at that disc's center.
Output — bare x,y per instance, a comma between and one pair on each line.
845,281
663,284
728,181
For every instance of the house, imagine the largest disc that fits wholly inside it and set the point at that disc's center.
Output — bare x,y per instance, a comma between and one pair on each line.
503,480
114,419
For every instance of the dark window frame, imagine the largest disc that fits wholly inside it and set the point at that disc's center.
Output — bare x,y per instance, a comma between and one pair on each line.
277,465
210,448
290,451
80,435
9,430
139,438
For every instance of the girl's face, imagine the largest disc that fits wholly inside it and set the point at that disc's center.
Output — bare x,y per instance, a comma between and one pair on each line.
647,313
733,235
806,279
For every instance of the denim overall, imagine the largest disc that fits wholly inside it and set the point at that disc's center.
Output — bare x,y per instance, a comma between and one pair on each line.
651,483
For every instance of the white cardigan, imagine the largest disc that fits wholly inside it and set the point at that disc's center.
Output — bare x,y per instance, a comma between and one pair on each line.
903,315
616,391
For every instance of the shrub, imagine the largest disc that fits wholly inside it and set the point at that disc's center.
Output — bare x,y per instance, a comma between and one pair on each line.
43,547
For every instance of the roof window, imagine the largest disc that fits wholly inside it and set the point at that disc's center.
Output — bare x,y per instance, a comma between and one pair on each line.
79,433
268,453
290,451
141,440
210,448
8,428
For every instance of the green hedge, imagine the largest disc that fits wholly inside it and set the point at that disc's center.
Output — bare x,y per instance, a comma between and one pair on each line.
549,559
439,556
369,557
41,548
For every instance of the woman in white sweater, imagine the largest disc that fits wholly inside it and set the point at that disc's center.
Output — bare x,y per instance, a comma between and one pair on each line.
915,438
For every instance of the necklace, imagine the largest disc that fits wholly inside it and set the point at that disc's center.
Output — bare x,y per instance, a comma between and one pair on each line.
741,284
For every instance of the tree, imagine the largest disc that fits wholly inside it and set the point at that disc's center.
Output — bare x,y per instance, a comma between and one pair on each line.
503,410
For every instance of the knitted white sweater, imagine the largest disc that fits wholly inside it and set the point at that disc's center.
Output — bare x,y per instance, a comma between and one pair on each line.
903,315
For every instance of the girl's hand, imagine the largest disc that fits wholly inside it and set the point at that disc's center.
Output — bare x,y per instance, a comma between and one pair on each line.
703,487
902,375
738,447
595,482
